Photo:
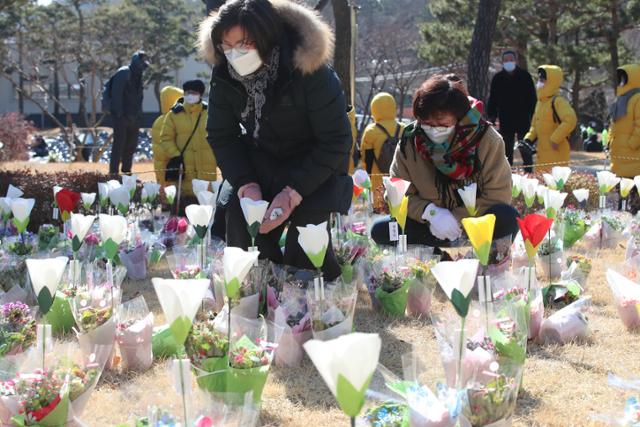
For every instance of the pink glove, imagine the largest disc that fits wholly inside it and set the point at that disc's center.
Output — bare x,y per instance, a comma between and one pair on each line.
251,190
280,209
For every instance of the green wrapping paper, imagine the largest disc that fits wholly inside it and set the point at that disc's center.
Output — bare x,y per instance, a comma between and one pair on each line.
573,233
245,380
347,273
164,345
394,303
215,383
60,316
56,418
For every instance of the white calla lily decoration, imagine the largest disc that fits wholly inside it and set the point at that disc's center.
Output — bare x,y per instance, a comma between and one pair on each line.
516,189
206,198
581,194
120,199
529,186
200,217
561,176
45,275
457,278
113,231
198,185
553,201
88,199
5,208
347,364
151,191
103,193
468,195
550,181
254,211
314,241
626,185
21,210
180,300
14,192
170,192
80,226
236,264
606,181
130,182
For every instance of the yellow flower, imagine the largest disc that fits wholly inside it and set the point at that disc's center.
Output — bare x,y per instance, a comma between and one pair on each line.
400,212
480,232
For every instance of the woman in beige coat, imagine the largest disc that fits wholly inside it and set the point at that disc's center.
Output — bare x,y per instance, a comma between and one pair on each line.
448,147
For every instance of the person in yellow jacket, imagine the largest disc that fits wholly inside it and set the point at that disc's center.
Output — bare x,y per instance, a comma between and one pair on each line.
384,126
189,116
553,120
169,95
624,133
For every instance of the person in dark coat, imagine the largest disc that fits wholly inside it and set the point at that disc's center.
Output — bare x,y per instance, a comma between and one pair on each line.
512,100
126,112
277,122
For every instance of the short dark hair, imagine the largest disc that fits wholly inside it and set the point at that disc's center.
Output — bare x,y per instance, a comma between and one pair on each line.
510,52
194,85
258,18
439,95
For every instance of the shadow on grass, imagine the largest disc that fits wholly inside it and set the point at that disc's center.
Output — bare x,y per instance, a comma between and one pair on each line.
550,352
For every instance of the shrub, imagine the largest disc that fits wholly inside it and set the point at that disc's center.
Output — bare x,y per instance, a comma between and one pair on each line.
15,132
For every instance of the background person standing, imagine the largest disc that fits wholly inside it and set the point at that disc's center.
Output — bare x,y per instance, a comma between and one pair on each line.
126,110
512,100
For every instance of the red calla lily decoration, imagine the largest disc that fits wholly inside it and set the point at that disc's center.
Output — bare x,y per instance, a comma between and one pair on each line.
534,228
67,201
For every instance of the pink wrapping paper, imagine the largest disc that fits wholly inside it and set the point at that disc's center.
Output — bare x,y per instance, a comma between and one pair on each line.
135,345
419,299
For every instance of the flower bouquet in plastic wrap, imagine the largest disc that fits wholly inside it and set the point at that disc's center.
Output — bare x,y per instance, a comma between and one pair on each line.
578,268
422,286
410,401
626,294
523,293
607,231
567,325
207,348
288,309
332,308
576,225
551,255
389,283
250,353
174,232
57,394
17,328
349,252
134,329
564,291
49,238
183,263
631,413
94,309
134,258
12,266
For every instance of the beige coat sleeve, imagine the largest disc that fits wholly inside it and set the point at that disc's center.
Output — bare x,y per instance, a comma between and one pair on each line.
496,172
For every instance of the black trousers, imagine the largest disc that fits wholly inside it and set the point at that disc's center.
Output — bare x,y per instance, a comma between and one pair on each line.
269,244
125,143
419,234
509,134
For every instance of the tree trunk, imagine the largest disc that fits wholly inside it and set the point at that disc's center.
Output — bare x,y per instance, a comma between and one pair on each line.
342,55
82,94
612,39
20,77
574,138
213,5
480,51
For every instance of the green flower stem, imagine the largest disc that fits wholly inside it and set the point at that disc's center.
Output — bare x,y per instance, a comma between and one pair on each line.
44,343
184,397
353,421
460,354
550,252
529,276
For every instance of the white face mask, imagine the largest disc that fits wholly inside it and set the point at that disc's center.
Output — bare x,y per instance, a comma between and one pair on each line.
539,85
509,66
244,63
438,134
192,99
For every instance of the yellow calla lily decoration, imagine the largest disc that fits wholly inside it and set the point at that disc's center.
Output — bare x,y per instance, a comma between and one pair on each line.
480,232
400,212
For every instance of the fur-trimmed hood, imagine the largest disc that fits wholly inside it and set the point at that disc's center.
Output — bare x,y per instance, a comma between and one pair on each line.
315,41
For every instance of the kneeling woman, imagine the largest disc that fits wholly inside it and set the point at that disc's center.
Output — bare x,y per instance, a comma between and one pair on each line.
448,147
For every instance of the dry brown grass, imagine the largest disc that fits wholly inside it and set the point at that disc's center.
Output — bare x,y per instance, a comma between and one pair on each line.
562,385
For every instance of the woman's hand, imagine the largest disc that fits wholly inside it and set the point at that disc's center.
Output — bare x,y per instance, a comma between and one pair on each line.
442,224
280,209
251,191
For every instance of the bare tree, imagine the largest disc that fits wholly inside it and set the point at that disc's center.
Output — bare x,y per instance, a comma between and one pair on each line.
480,51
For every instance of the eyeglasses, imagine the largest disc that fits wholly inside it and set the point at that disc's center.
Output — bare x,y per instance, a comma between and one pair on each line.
242,46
